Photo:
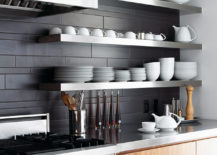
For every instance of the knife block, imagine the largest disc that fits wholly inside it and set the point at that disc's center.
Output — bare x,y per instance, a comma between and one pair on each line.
189,106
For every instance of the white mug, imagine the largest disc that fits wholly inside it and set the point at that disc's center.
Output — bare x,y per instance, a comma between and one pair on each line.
149,36
55,30
120,35
83,31
110,34
69,30
130,35
160,37
97,33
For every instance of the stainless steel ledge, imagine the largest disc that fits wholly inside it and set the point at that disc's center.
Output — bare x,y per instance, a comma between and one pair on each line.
116,85
116,41
19,11
185,9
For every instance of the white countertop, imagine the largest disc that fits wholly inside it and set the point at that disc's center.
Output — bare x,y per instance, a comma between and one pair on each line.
128,138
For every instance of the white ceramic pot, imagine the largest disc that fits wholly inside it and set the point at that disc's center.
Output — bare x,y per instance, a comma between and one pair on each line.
160,37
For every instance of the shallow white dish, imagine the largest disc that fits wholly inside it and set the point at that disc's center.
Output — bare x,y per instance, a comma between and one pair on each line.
103,69
73,79
73,76
102,74
74,73
75,69
145,131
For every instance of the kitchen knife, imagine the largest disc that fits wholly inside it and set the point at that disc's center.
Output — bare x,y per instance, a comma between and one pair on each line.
98,121
104,110
118,114
111,111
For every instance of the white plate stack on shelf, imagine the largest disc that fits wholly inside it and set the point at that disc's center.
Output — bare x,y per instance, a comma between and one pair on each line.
103,74
138,74
122,75
75,74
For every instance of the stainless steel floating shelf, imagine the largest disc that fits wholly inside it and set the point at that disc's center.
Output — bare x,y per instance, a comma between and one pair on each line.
170,5
116,41
20,11
117,85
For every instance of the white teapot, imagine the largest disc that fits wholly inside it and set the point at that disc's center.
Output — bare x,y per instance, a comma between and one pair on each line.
167,123
183,34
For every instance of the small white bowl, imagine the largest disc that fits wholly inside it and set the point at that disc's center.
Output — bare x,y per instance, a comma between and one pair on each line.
55,30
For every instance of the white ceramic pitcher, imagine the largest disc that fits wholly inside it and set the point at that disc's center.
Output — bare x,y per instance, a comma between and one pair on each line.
183,34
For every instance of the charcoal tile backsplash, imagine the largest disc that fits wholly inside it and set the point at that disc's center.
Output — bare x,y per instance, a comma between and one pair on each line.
23,60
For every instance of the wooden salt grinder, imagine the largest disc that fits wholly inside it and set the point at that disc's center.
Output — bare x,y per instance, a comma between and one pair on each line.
189,106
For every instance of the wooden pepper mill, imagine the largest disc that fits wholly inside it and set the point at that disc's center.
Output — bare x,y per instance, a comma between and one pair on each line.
189,106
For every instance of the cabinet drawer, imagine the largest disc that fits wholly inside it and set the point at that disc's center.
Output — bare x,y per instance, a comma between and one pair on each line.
180,149
207,147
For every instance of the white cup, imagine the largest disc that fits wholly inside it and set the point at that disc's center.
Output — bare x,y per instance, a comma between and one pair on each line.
55,30
110,34
152,70
69,30
83,31
148,126
149,36
97,33
130,35
120,35
167,66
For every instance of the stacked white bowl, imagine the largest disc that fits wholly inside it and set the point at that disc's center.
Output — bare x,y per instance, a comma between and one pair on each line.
103,74
77,74
152,70
185,70
122,75
167,68
138,74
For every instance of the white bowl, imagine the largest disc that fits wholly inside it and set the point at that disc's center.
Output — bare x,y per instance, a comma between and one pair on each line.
167,68
185,64
152,70
55,30
185,70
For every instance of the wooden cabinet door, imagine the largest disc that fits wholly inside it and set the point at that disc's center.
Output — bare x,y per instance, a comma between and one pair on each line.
207,147
180,149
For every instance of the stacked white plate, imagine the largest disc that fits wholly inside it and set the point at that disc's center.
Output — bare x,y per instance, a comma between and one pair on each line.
138,74
103,74
122,75
77,74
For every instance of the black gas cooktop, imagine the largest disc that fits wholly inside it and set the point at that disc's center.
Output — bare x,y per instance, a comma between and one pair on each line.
41,143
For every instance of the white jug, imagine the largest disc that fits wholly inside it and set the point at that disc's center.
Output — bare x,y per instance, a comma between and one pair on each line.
182,34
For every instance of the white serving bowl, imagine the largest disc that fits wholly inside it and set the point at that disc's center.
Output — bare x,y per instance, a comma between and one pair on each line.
184,72
185,65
